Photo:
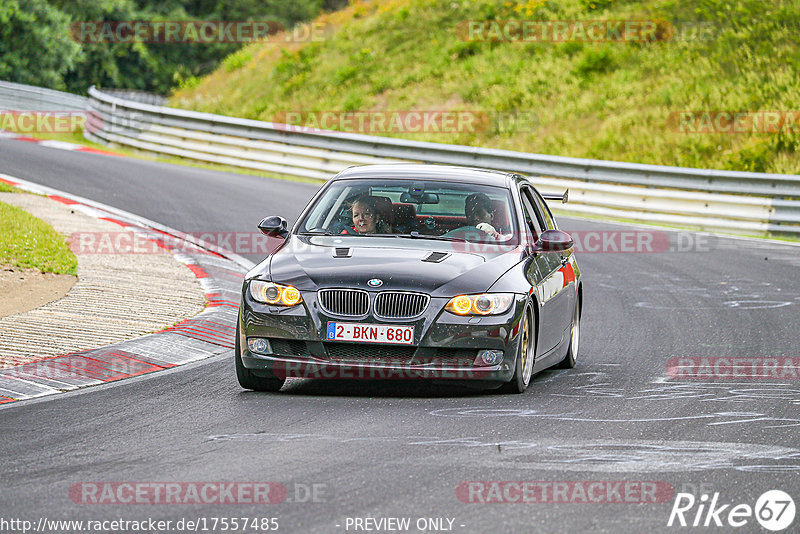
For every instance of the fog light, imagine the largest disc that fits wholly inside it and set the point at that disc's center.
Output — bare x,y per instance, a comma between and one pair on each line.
489,357
258,345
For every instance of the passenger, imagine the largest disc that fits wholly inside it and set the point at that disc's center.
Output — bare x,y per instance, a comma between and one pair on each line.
367,218
479,211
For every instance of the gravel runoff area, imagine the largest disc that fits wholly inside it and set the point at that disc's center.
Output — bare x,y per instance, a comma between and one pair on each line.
117,296
24,289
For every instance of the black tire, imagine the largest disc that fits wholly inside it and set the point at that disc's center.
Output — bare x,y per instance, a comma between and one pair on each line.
571,357
523,363
247,379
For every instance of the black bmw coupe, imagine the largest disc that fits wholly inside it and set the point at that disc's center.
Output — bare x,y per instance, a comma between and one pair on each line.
411,271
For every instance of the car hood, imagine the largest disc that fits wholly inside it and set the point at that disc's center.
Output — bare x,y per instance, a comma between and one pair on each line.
316,262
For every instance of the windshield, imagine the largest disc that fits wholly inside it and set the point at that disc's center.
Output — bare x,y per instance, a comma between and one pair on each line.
420,209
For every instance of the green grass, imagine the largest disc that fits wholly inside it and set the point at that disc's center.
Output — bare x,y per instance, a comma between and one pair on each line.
5,188
608,101
26,241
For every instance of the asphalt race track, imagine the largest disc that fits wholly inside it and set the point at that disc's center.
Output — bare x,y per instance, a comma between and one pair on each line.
346,451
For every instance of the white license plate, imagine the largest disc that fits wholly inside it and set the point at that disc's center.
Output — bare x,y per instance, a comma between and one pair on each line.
371,333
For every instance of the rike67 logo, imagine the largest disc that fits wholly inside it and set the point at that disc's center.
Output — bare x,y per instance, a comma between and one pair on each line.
774,510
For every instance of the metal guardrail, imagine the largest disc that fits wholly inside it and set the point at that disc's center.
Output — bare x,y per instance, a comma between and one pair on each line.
740,202
18,97
142,97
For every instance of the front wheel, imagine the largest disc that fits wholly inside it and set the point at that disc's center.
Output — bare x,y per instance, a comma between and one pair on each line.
246,377
571,357
523,366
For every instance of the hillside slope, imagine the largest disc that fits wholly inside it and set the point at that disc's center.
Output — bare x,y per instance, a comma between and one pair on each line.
616,100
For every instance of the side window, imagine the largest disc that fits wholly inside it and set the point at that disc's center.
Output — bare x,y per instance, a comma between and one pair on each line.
529,200
531,218
550,222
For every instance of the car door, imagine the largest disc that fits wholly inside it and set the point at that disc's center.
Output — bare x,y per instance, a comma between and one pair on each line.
553,278
560,283
539,273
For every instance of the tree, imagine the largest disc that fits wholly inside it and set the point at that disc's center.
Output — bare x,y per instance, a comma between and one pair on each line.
35,47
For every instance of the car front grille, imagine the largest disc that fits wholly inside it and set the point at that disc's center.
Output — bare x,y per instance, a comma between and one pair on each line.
366,353
369,353
345,302
400,305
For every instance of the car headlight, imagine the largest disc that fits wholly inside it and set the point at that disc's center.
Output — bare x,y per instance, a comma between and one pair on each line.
275,294
483,304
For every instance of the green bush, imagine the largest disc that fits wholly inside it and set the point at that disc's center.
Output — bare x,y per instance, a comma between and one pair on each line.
237,60
596,5
604,100
596,61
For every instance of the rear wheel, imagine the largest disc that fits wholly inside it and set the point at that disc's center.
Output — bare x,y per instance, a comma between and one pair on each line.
246,377
523,366
574,340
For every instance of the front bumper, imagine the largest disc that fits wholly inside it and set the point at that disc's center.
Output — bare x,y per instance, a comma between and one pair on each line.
445,345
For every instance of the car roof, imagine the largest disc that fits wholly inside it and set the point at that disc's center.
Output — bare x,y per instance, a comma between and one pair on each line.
428,172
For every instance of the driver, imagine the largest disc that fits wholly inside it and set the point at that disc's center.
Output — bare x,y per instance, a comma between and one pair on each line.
479,211
366,217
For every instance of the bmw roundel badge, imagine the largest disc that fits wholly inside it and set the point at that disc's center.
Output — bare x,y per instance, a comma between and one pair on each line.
375,282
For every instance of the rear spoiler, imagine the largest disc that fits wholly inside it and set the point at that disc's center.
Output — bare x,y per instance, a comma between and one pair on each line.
562,198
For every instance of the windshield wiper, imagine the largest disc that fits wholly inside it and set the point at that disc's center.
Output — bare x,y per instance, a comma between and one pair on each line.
354,234
319,232
411,235
416,235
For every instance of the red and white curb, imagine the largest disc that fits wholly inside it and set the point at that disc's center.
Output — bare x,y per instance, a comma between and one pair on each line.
211,332
53,143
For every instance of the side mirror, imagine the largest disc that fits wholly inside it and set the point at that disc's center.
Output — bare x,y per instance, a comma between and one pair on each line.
274,226
554,241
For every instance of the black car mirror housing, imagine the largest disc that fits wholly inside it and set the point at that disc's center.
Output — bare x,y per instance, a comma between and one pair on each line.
274,226
554,241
